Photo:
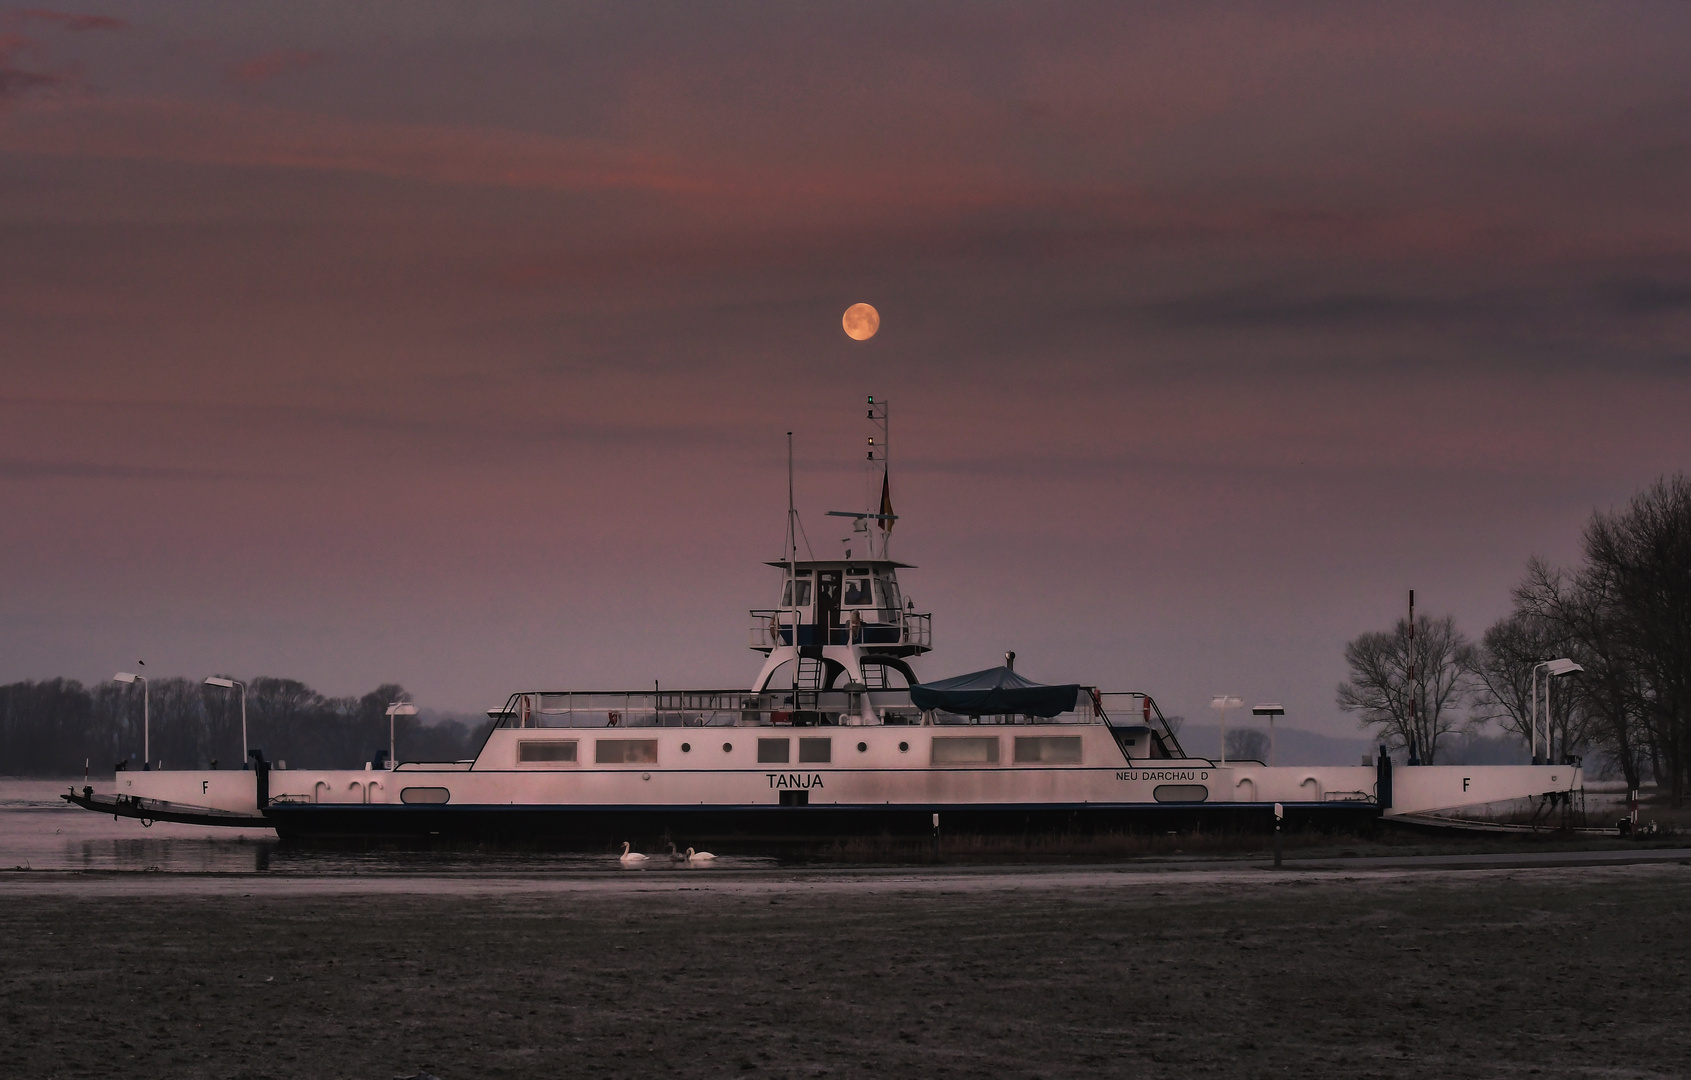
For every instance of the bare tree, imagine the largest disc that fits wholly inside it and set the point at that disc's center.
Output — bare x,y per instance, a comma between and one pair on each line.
1609,691
1379,688
1640,559
1504,674
1247,744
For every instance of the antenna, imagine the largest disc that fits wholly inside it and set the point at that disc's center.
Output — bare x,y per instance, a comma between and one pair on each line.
882,515
880,415
792,546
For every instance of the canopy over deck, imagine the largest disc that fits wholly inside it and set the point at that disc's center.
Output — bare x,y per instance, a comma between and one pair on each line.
992,692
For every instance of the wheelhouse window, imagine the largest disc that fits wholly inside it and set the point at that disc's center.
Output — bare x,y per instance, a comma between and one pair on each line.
625,752
857,593
803,589
816,750
774,751
551,752
1058,750
888,590
965,751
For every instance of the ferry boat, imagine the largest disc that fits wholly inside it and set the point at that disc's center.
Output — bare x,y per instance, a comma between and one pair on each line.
836,739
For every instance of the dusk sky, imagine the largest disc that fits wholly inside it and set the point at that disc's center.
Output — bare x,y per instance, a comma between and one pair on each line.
456,345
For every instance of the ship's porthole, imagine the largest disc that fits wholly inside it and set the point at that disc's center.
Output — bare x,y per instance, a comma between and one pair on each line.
903,747
862,746
645,776
686,748
727,748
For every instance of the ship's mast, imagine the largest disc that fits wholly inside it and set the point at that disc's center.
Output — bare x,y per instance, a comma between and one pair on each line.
880,499
792,549
880,496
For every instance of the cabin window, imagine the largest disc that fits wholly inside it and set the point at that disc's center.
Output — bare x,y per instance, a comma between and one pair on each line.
412,795
1060,750
965,751
804,593
1180,793
816,750
551,751
625,752
774,751
857,593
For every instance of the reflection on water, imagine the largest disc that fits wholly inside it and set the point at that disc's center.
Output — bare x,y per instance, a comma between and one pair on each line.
40,831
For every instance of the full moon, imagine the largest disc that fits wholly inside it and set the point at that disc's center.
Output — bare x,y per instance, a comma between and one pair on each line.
861,321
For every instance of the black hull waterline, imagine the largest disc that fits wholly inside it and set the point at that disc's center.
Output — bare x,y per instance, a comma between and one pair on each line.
776,828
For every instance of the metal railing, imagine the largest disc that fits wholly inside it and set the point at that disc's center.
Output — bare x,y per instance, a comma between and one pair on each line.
799,707
888,627
1121,708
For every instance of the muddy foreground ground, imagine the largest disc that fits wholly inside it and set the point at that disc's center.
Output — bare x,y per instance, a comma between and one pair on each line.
1553,972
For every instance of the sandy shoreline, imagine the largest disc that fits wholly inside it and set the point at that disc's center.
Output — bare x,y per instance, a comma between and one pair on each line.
1573,971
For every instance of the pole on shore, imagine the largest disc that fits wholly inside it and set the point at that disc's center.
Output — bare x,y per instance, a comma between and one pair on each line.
1279,813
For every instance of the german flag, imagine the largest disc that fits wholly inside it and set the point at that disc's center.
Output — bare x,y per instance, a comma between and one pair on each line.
886,503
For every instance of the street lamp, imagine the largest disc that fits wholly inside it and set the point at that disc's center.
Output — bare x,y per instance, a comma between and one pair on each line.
146,721
1552,669
1270,709
236,684
398,708
1223,702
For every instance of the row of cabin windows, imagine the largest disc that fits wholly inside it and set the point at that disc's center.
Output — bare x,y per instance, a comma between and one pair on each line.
945,750
858,592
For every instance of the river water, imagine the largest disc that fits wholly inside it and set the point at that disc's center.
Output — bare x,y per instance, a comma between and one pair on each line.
40,831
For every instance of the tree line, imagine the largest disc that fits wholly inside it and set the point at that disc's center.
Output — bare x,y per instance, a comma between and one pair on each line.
50,727
1623,614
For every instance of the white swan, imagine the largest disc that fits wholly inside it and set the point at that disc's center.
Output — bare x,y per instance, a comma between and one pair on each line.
630,858
699,856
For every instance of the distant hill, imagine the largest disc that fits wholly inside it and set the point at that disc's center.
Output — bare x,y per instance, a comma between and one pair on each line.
1291,745
1295,747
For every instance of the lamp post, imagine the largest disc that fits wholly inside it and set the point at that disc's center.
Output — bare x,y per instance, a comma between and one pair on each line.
1270,709
146,719
398,708
1552,669
1223,702
236,684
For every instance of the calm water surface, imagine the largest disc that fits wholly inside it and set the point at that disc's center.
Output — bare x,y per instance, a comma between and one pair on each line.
40,831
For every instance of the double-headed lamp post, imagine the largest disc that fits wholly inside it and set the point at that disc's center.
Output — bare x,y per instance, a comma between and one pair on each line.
236,684
1223,702
146,720
1552,669
398,708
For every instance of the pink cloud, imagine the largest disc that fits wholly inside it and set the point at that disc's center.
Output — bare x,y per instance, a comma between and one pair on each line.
68,21
261,69
258,136
17,81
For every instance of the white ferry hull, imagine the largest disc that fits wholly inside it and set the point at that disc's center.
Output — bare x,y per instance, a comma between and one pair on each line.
706,785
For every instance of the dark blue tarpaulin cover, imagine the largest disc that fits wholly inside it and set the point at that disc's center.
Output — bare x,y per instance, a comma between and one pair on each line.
994,692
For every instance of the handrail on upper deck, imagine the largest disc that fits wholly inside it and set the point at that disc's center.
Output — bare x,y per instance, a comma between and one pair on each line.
772,627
